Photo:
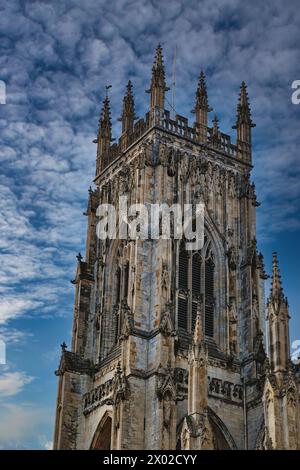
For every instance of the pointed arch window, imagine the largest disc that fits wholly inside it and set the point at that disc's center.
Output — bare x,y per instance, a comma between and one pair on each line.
196,279
102,438
183,289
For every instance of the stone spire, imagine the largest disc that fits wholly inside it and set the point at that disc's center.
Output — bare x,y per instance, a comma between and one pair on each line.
128,114
244,123
158,84
201,108
276,287
104,134
278,317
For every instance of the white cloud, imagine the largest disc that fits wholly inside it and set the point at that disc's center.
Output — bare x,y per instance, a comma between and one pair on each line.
13,336
57,58
52,113
12,383
13,307
21,424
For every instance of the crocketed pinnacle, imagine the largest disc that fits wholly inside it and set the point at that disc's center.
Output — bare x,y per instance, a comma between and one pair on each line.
201,95
243,108
276,286
128,103
158,70
105,120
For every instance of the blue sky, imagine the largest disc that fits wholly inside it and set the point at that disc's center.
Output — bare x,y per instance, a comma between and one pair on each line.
56,58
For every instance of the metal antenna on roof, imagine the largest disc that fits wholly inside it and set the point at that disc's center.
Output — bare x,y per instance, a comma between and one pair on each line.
174,81
107,87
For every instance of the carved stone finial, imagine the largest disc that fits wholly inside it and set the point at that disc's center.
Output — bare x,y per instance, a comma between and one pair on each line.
128,113
198,330
201,109
158,84
276,287
243,108
201,95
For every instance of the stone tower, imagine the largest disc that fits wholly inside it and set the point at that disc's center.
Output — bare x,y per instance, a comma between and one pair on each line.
169,345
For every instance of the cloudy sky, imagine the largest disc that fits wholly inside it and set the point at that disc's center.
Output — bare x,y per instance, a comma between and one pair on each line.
56,58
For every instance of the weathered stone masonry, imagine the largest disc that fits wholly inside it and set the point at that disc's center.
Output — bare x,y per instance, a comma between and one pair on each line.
169,346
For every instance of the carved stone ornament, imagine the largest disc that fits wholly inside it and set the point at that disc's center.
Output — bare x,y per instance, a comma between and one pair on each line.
120,384
149,154
165,383
291,391
184,167
125,180
110,392
163,154
197,426
127,320
165,277
166,324
172,162
232,258
268,398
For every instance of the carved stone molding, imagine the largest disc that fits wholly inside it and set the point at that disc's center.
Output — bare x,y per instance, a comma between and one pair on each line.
166,325
110,392
165,277
165,383
225,389
127,320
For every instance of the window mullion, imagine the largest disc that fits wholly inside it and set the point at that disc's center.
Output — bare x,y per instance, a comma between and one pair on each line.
189,322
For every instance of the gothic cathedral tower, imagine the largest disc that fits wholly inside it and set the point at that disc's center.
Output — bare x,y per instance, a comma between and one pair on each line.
169,345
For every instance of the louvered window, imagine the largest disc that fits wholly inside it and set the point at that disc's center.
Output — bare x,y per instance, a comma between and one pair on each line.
182,313
118,285
194,314
196,284
117,326
196,275
117,303
126,281
209,297
183,270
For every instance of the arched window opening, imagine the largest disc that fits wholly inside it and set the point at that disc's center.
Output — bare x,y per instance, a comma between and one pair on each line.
183,289
196,284
102,439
